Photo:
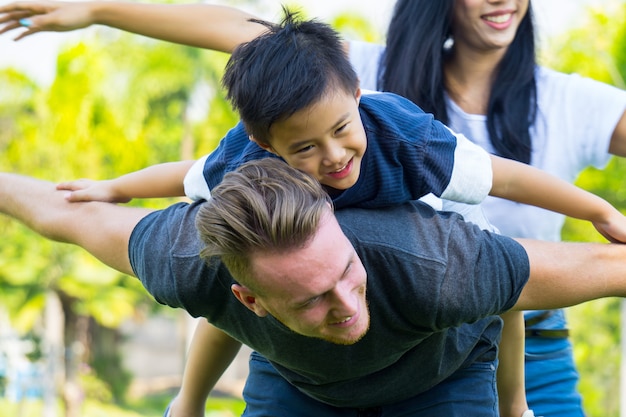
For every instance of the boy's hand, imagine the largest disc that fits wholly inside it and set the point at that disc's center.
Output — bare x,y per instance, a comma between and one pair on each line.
89,190
44,15
613,228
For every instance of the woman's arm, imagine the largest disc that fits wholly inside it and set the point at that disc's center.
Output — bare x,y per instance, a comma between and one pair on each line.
618,139
525,184
207,26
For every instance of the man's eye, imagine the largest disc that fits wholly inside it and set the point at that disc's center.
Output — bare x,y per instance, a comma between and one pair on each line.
311,302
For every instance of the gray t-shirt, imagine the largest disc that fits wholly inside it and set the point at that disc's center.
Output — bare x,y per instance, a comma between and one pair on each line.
434,286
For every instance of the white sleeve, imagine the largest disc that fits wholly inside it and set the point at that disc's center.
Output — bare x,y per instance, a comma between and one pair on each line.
472,213
472,174
196,187
365,58
581,125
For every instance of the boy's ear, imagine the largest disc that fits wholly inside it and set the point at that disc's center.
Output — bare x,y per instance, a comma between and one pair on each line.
357,95
263,145
248,299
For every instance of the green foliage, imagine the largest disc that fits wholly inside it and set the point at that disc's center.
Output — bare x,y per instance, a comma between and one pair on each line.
580,50
354,26
95,388
595,325
109,381
117,104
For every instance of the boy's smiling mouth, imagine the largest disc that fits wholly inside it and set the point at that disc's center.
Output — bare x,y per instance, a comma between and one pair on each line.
343,171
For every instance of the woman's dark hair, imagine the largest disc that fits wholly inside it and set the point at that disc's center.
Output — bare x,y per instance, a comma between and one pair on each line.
412,66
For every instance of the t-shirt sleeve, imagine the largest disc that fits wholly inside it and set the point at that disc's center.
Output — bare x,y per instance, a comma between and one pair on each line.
585,121
164,253
365,58
606,110
472,175
196,187
476,274
485,275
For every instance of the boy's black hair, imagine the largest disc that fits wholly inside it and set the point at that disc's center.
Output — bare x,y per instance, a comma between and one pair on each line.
286,69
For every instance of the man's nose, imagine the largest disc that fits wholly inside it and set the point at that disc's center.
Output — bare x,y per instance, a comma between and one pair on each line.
345,301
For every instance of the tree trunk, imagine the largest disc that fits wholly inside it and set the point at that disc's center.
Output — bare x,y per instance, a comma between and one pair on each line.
54,348
76,348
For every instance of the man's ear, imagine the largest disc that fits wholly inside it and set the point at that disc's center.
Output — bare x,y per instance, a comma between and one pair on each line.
265,146
357,95
248,299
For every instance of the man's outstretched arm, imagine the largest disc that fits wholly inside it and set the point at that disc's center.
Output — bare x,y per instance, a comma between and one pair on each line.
103,229
566,274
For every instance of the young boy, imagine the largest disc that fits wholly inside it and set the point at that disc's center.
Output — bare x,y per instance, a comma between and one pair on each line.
298,98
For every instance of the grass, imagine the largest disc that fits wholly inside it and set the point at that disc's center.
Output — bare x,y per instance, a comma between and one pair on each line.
152,406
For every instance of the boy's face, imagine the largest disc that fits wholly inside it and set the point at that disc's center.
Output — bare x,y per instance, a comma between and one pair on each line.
325,140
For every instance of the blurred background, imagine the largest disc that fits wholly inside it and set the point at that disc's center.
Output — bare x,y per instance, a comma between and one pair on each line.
79,339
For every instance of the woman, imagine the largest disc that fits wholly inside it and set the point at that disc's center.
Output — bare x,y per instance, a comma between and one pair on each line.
475,70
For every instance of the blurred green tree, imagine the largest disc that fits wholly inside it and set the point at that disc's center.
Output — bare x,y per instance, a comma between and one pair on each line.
596,325
118,103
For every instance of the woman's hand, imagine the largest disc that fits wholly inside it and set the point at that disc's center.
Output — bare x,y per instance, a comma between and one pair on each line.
44,15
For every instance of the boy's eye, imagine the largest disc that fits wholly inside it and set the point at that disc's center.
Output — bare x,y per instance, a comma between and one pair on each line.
342,128
305,149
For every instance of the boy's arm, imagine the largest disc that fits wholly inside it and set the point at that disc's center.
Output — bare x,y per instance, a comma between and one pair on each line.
525,184
510,377
157,181
210,353
207,26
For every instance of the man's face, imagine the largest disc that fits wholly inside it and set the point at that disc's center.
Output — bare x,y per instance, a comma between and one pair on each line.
326,140
318,290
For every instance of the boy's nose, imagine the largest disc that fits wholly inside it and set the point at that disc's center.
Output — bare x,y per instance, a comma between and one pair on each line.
334,155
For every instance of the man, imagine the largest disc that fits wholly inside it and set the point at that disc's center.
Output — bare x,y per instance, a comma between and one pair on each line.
365,311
